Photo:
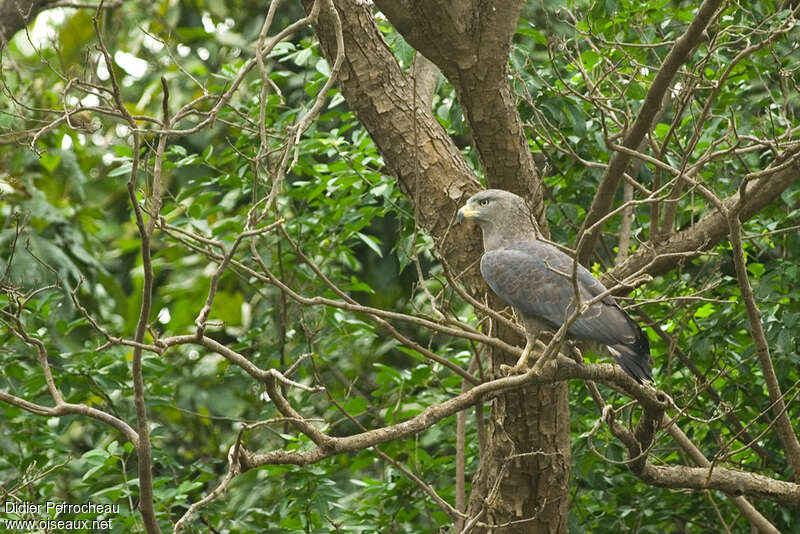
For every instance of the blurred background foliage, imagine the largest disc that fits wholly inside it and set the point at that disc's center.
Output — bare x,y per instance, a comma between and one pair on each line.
66,223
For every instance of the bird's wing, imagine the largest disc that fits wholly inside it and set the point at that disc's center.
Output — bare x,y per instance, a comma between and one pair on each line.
536,278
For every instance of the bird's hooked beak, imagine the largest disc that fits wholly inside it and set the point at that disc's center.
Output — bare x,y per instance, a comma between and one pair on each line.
466,212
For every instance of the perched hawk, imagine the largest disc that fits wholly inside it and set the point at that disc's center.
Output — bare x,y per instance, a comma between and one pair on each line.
536,279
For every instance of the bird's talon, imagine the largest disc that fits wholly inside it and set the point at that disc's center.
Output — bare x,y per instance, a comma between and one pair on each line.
509,370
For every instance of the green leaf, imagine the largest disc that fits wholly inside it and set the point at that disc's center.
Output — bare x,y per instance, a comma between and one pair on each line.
50,161
355,405
706,310
537,36
371,242
123,151
323,67
590,58
756,269
122,170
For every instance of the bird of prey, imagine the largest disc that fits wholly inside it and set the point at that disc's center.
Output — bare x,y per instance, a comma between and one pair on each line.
535,278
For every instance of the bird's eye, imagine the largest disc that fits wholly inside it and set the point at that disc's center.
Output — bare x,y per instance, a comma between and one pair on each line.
483,202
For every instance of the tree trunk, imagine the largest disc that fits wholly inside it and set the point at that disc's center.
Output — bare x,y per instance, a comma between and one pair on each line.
470,42
527,459
15,15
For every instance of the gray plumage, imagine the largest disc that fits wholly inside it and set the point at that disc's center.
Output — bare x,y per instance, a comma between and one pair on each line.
535,277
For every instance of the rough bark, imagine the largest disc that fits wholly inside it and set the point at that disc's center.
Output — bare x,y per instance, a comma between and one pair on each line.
425,74
528,447
15,15
470,42
523,477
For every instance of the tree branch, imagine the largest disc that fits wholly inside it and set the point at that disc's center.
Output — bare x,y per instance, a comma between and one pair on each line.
791,445
143,451
748,510
425,74
677,56
66,408
723,479
727,480
711,229
565,370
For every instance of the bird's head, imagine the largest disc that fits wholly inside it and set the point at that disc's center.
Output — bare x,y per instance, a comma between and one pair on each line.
491,205
500,214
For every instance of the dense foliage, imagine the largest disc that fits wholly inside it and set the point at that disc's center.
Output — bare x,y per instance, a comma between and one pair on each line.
72,266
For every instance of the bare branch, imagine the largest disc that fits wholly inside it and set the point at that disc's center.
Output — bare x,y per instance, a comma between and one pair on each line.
711,229
144,453
676,57
791,445
748,510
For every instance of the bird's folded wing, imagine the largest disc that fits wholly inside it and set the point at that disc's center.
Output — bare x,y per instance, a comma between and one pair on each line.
536,278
